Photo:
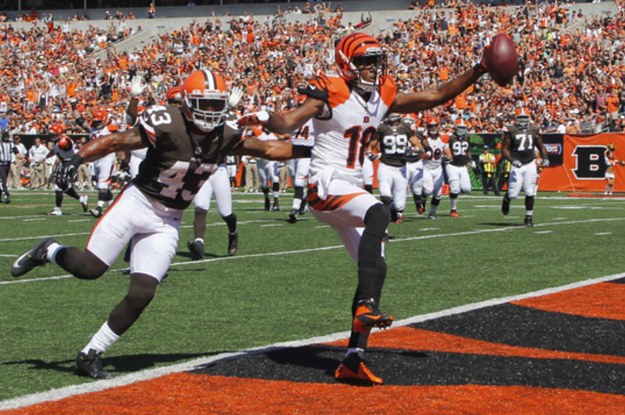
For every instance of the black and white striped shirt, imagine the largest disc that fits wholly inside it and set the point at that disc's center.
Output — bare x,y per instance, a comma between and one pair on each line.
6,152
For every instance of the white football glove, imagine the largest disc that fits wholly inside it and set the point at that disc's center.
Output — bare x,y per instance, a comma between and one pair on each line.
472,163
254,118
517,163
545,162
137,86
236,94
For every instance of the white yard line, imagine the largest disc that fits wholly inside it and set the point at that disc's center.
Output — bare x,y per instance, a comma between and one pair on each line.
325,248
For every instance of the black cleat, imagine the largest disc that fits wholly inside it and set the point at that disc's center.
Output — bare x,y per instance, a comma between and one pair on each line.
528,221
90,365
303,207
267,204
276,206
196,248
96,212
34,257
505,206
293,216
233,243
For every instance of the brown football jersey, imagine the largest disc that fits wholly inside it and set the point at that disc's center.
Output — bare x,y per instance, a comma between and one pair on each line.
179,161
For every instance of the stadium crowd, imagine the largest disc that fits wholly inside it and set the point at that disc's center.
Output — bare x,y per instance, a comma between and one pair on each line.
571,72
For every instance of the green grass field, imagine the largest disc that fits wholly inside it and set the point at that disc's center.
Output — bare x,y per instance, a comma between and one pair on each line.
287,281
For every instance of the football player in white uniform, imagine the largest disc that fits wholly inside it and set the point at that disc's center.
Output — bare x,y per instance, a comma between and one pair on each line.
518,146
186,145
433,178
299,168
101,125
269,170
346,112
63,148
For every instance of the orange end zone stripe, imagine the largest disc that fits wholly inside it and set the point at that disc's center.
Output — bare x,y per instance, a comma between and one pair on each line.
185,393
603,300
425,340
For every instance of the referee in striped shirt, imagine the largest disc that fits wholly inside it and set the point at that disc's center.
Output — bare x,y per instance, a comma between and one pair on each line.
6,153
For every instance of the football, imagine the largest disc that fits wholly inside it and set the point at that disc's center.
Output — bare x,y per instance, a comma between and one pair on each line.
501,59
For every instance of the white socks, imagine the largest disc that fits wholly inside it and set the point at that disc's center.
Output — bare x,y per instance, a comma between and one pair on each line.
102,340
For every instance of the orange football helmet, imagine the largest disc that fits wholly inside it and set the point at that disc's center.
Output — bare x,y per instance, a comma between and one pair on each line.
64,143
205,99
357,52
100,114
522,117
461,127
174,95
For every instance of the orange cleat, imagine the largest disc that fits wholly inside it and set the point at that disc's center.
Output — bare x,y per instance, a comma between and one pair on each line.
368,315
353,370
453,214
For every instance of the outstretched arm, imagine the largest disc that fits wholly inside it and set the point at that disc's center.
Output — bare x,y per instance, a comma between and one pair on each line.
430,98
272,149
284,123
112,143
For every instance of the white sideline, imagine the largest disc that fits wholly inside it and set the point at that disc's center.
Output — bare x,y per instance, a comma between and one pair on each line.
61,393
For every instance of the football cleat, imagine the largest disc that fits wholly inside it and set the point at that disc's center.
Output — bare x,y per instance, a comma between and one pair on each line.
32,258
96,211
89,364
368,315
453,214
84,199
420,208
267,204
293,216
196,248
505,206
432,216
400,218
528,221
233,243
303,207
353,370
276,206
55,212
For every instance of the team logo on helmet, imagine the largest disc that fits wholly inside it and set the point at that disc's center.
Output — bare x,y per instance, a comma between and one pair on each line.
522,118
205,99
64,143
358,52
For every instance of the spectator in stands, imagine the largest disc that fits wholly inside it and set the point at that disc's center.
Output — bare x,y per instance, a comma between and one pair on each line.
151,11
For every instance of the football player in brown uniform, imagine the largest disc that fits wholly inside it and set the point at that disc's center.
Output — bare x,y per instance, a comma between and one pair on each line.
185,146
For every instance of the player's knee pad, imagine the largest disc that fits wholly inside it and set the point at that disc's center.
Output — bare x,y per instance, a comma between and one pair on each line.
376,220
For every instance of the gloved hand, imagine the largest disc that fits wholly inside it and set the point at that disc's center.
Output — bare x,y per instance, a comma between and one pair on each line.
254,118
65,174
517,163
545,162
372,156
473,165
137,86
236,94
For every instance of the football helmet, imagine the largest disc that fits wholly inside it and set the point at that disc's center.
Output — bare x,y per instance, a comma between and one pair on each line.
99,114
359,52
174,95
461,127
56,129
64,143
522,118
205,99
393,118
432,125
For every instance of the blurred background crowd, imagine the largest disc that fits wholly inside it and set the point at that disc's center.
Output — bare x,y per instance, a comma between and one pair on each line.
571,73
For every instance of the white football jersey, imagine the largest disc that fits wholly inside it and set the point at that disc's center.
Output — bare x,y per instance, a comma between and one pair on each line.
437,145
343,131
305,136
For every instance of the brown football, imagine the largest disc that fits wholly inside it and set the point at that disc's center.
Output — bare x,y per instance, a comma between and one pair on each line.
501,59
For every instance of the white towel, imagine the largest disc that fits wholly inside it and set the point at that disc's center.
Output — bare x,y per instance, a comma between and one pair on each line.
322,181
